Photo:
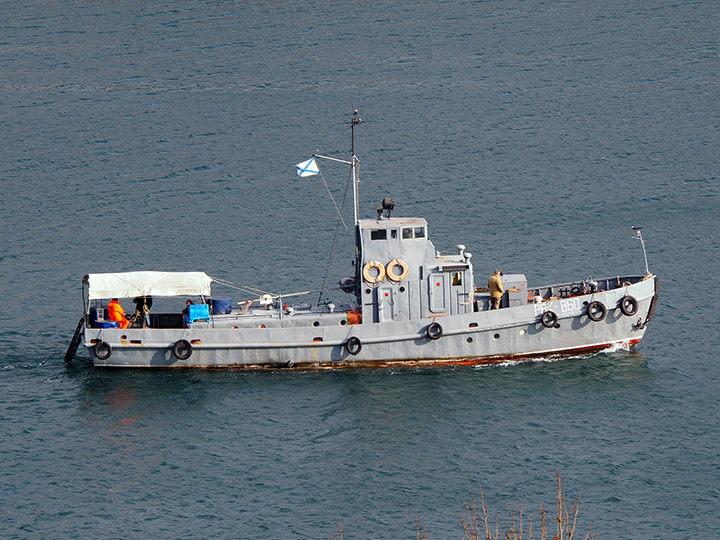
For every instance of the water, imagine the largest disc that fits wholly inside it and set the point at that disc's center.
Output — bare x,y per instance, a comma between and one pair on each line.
163,136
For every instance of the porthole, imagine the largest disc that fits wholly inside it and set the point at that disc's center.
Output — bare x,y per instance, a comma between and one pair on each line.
496,336
402,289
316,323
523,332
469,340
343,322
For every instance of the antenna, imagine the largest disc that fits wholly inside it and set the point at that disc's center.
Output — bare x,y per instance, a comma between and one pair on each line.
639,236
355,162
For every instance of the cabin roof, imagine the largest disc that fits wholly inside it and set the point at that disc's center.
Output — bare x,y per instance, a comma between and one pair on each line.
391,223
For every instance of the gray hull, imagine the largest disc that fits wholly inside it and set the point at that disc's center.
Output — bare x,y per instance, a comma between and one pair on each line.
412,305
478,337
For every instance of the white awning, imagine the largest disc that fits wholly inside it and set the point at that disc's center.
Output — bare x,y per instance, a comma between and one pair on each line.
130,284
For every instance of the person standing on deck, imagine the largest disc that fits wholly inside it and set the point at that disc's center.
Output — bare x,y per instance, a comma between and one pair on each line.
117,313
496,290
142,311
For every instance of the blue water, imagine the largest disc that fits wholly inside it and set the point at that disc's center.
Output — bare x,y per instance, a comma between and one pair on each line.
163,136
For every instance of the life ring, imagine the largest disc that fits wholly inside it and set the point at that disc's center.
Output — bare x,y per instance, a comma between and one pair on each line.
549,319
392,264
353,345
628,305
101,354
434,331
182,349
596,311
368,267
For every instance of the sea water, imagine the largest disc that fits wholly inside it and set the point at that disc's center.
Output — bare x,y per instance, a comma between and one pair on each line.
162,136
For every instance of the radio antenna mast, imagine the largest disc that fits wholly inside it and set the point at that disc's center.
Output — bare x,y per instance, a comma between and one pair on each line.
355,162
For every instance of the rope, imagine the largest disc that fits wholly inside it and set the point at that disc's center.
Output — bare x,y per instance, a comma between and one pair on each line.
333,199
335,239
260,292
243,288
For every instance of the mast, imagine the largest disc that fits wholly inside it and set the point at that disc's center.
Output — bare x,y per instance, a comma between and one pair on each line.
355,163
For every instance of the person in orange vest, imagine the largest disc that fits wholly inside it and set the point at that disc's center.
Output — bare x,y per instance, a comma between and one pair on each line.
117,313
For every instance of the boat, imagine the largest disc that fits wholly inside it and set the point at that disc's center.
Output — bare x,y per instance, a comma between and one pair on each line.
409,305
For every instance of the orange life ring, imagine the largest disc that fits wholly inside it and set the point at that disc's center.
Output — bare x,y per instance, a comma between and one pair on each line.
392,264
368,267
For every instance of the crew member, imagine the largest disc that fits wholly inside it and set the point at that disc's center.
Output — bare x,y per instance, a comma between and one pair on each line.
496,290
117,313
186,313
142,310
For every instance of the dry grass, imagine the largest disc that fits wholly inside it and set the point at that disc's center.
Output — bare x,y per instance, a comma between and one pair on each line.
340,532
513,528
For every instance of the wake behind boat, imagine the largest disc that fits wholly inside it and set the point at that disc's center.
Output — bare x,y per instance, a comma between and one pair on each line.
410,306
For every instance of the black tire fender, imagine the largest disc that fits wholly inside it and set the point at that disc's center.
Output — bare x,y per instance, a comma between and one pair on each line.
353,345
628,305
596,311
549,319
182,350
434,330
102,350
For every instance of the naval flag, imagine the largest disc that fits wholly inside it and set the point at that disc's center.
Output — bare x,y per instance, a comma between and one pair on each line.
307,168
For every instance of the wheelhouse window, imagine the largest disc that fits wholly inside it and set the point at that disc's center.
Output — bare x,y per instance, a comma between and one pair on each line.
380,234
413,232
457,279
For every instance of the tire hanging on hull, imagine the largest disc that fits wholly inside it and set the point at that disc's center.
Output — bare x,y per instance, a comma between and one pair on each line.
353,345
596,311
102,350
182,350
434,331
549,319
628,305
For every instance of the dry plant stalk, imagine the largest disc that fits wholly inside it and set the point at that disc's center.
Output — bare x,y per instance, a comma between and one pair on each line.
417,530
565,530
470,526
515,526
340,532
512,533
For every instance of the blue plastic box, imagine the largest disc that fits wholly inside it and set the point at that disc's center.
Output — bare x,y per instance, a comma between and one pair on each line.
198,312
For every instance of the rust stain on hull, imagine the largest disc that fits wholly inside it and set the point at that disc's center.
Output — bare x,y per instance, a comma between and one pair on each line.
384,364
